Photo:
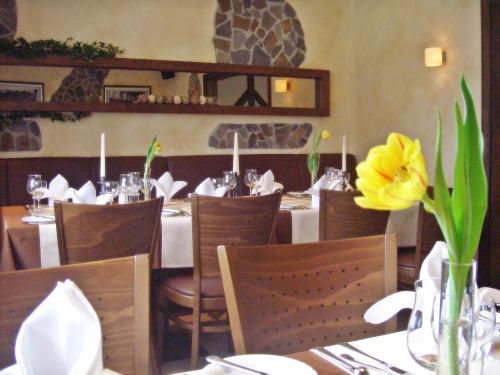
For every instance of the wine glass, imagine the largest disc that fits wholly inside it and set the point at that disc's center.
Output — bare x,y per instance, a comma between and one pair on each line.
423,325
110,187
230,181
251,179
332,174
32,186
484,331
40,191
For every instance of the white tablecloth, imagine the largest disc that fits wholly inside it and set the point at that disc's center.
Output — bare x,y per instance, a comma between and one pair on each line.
177,244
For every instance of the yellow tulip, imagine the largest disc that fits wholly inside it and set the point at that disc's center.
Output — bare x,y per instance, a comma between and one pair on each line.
393,176
325,134
157,148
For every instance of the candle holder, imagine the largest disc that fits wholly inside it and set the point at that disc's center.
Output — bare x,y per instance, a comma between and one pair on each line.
101,182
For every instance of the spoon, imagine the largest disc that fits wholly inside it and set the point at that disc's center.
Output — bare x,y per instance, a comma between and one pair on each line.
355,361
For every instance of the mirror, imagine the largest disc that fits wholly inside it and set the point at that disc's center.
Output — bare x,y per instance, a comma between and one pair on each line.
178,88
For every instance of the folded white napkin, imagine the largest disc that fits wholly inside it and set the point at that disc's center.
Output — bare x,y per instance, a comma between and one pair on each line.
387,307
322,183
166,186
207,187
87,194
62,336
57,189
267,185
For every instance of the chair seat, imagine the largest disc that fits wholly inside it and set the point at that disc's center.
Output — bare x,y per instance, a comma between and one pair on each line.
406,257
179,289
211,287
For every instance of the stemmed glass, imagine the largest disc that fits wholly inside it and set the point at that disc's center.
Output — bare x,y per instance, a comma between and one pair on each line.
423,325
484,332
251,179
110,187
35,186
332,174
229,181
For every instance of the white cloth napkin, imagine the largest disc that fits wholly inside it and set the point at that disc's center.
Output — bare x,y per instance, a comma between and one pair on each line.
166,186
62,336
387,307
57,190
322,183
267,185
207,187
87,194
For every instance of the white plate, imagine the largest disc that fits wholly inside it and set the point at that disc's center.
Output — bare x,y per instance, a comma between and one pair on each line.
298,194
38,220
272,364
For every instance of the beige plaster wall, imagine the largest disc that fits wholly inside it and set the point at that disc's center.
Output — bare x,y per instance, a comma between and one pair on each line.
373,49
393,89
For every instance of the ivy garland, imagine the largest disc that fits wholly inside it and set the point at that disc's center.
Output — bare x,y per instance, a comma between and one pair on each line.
22,49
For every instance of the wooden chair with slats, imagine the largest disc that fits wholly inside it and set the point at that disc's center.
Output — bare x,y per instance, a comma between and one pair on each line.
88,232
117,289
340,217
288,298
216,221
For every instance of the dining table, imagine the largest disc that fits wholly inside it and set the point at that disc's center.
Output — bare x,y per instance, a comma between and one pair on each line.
390,348
25,246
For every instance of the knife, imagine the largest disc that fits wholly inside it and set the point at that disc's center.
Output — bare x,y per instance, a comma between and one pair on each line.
224,362
340,362
379,361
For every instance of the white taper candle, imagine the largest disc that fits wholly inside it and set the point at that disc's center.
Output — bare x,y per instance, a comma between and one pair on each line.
344,147
236,156
102,172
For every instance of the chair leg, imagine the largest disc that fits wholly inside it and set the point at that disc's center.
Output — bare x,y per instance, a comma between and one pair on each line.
195,338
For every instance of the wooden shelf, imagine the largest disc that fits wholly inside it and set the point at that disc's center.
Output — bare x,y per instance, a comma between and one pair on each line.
10,106
321,77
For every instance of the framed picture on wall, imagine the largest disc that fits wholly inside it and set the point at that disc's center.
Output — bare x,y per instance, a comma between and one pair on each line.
124,94
21,91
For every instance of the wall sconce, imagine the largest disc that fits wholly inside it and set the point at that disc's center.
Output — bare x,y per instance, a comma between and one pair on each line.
281,85
434,56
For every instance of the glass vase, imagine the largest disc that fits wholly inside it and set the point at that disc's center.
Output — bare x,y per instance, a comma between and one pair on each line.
456,317
147,186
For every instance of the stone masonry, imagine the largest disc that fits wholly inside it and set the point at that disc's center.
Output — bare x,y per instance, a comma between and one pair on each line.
258,32
260,136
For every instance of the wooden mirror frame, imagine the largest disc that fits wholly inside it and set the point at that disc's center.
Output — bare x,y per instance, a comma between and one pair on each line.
321,78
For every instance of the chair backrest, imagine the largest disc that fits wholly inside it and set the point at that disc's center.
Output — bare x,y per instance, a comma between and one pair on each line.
88,232
117,289
340,217
289,298
232,222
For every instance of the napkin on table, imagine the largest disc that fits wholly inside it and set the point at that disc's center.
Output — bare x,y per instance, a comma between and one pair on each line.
322,183
267,185
57,190
207,187
387,307
62,336
166,186
87,194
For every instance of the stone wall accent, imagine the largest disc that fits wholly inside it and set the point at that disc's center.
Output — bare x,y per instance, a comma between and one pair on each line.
8,19
81,85
261,136
23,135
258,32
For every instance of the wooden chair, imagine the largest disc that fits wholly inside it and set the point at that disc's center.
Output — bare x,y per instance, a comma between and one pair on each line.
410,259
216,221
340,217
289,298
88,232
117,289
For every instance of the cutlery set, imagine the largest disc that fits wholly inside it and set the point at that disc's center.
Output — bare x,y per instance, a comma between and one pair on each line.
354,366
